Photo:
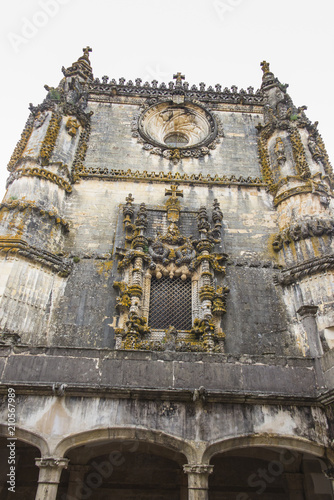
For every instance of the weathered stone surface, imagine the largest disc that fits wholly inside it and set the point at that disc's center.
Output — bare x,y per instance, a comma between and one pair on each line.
231,194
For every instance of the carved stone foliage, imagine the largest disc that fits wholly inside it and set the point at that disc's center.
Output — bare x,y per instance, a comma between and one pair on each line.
176,256
175,132
303,230
72,126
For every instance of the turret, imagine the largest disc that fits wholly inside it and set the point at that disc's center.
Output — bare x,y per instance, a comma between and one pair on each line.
34,226
44,163
297,170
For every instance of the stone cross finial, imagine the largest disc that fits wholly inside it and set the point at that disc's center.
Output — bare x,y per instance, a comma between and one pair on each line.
179,77
129,198
172,204
86,51
265,67
173,191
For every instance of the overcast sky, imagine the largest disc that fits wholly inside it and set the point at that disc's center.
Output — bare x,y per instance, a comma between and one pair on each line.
214,41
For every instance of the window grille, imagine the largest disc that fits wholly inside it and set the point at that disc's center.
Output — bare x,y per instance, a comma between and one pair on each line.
170,303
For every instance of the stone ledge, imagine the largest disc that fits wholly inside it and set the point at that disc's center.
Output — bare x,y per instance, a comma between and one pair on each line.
105,369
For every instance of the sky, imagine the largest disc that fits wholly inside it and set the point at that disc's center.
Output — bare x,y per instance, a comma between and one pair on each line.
211,41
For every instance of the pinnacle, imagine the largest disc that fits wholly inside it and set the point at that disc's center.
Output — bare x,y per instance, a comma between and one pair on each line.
82,67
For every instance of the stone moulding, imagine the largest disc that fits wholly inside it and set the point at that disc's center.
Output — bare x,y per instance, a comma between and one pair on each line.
41,210
303,230
42,173
308,268
13,245
113,174
308,187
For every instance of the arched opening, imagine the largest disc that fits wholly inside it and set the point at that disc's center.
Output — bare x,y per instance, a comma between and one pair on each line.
23,483
123,469
268,473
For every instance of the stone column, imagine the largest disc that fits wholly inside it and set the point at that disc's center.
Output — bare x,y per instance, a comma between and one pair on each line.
77,473
50,470
307,315
198,480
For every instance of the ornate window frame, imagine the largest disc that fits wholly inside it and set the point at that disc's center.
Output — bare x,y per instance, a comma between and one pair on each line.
175,255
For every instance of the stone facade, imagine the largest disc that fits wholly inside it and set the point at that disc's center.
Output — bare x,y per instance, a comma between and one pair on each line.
167,324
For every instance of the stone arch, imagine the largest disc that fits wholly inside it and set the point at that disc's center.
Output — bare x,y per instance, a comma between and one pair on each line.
127,433
28,437
265,440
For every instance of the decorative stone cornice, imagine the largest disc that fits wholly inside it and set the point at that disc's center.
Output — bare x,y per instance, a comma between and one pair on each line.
149,90
198,469
43,173
113,174
242,262
308,268
13,245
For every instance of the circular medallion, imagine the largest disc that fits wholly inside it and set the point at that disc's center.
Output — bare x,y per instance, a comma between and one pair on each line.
171,126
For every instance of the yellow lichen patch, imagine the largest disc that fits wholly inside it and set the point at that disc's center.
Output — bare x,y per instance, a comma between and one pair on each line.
316,246
104,268
20,146
49,141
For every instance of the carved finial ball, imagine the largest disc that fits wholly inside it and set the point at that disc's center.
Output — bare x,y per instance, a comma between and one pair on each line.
158,275
183,277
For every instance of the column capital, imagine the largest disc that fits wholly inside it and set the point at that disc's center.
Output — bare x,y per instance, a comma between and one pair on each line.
50,469
52,462
198,469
